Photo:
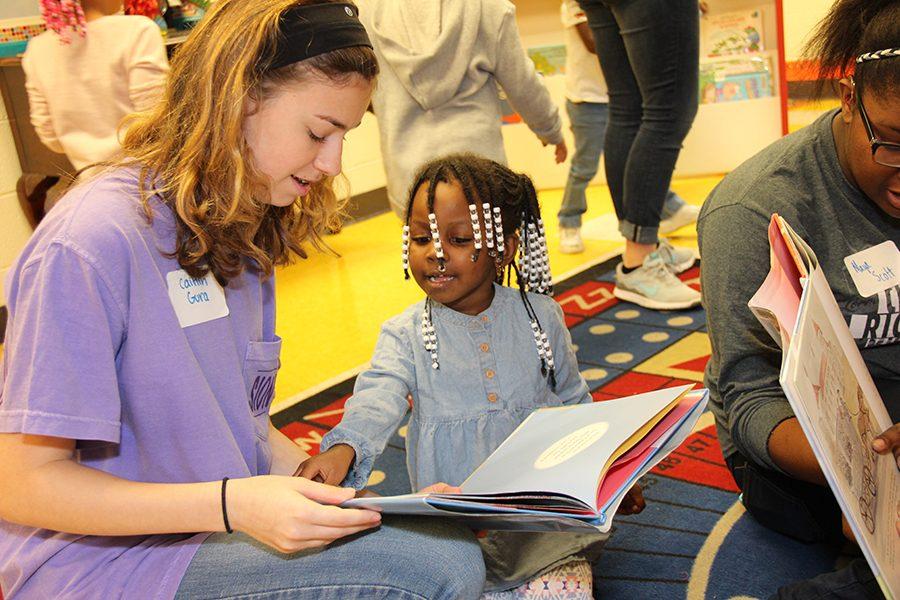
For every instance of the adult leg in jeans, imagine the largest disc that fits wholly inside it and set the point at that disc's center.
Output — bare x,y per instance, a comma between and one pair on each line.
405,559
808,513
588,120
804,511
648,52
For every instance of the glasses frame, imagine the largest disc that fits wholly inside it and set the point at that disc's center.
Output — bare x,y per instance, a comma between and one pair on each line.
874,142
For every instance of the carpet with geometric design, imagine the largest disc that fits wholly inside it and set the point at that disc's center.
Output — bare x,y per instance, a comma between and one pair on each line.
694,539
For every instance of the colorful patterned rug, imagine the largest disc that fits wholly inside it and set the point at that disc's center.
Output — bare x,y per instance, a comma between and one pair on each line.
694,539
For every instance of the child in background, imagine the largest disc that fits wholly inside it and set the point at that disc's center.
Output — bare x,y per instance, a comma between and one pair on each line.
587,104
87,71
476,357
437,94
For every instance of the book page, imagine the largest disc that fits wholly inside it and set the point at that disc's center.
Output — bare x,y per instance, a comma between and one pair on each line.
803,256
565,450
839,408
777,301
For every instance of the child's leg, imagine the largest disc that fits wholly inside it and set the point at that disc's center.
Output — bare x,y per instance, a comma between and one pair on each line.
405,559
672,204
588,120
571,581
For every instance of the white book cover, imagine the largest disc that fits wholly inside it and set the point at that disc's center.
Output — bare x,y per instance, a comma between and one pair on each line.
840,410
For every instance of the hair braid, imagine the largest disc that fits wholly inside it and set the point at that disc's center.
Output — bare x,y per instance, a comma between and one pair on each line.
486,182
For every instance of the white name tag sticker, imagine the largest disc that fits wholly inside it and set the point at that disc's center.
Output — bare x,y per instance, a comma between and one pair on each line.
196,299
875,269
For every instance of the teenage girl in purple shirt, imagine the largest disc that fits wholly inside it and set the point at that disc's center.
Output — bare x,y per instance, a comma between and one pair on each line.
141,353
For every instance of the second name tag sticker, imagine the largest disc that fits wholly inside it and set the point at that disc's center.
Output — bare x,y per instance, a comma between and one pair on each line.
875,269
196,299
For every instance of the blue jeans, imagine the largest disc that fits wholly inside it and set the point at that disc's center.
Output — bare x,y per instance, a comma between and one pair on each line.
588,121
808,513
648,51
404,559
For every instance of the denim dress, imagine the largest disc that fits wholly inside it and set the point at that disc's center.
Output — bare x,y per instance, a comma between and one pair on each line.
488,382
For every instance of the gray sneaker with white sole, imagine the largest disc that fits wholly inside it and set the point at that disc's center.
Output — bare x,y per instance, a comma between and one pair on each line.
678,260
653,285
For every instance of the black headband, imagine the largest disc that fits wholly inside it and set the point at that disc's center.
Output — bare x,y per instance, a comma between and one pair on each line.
312,29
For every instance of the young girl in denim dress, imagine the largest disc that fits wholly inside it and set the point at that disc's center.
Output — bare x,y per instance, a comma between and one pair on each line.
475,356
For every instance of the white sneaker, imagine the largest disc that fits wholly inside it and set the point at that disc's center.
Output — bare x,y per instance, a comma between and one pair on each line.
570,240
678,260
652,285
685,215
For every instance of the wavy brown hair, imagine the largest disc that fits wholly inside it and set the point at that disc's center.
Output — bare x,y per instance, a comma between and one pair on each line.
191,149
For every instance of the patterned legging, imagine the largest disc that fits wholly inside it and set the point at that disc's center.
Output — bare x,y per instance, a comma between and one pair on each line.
571,581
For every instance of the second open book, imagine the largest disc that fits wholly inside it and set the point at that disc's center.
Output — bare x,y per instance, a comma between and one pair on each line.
833,396
565,468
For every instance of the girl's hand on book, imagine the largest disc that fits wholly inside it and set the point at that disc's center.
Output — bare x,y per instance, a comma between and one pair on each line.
292,513
441,488
329,467
889,441
633,503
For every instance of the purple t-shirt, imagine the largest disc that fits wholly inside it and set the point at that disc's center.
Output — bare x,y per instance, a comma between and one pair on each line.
95,352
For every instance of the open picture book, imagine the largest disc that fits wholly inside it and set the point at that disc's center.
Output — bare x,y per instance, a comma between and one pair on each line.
565,468
833,396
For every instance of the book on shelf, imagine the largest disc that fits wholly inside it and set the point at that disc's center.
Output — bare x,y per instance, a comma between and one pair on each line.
735,78
548,59
833,397
730,33
564,468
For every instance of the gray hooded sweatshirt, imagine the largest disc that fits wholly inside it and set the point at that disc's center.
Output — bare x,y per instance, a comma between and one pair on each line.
441,62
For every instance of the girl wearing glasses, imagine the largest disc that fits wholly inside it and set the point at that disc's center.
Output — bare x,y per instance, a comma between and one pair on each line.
837,182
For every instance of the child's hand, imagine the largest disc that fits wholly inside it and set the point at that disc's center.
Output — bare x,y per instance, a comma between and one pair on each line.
561,152
329,467
440,488
633,503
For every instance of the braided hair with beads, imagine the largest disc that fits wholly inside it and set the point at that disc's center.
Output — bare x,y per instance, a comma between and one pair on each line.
501,203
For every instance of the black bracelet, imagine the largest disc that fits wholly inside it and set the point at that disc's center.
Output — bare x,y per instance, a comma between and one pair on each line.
224,508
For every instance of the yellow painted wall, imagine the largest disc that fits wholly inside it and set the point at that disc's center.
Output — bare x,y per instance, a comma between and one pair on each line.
14,229
800,18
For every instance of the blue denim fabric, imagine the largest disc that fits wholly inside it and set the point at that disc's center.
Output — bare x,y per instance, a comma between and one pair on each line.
404,559
672,204
853,582
648,51
488,382
805,512
588,121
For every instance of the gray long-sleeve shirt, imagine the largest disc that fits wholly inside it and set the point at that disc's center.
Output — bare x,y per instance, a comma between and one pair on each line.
800,178
441,64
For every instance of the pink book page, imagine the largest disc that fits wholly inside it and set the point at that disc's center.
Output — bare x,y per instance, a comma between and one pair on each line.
779,294
783,259
622,469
